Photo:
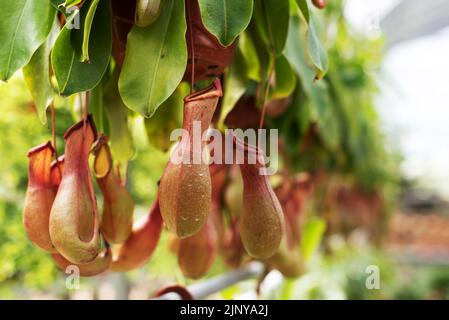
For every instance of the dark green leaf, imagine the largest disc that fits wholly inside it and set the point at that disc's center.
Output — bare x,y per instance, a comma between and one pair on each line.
303,6
24,26
71,74
155,61
226,19
272,18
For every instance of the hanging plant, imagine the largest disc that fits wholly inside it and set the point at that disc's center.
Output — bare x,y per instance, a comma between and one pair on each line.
126,68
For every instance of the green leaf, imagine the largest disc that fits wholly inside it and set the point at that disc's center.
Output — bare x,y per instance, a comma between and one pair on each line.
167,118
317,91
226,19
71,74
284,81
37,75
315,49
235,84
303,6
312,233
155,61
272,18
87,28
249,52
147,11
117,113
24,26
296,56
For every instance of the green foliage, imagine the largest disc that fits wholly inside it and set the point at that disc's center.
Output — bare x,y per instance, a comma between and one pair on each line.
271,17
117,114
226,19
284,78
166,119
21,263
71,73
37,75
252,63
316,91
156,58
24,26
315,49
284,46
313,232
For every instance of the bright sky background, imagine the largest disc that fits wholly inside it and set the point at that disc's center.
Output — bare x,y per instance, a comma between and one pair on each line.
414,99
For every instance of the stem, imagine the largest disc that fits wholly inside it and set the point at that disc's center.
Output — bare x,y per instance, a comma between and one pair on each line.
192,48
53,136
203,289
265,96
87,28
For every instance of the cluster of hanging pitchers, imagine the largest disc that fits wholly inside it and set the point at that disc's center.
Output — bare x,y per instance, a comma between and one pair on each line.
61,214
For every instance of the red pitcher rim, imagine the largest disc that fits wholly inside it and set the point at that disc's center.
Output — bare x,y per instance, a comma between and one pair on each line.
79,124
41,147
206,93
